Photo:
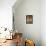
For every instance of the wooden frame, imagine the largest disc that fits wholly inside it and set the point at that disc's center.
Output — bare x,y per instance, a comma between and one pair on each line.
29,19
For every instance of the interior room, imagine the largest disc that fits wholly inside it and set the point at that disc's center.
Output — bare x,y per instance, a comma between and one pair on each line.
22,22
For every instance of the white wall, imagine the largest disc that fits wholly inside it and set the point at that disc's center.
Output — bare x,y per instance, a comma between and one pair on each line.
31,31
20,24
43,22
6,13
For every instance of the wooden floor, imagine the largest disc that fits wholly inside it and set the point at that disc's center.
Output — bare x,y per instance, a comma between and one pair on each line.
9,43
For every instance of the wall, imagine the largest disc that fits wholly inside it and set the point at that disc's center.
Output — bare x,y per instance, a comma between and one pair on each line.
43,22
6,17
6,13
31,31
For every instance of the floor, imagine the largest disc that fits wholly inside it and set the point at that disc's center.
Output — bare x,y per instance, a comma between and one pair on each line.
9,43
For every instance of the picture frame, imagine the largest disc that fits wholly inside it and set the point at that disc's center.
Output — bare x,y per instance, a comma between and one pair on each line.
29,19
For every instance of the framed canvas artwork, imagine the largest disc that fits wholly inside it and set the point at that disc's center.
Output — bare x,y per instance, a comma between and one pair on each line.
29,19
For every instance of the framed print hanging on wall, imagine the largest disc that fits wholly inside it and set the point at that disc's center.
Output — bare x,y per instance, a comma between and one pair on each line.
29,19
